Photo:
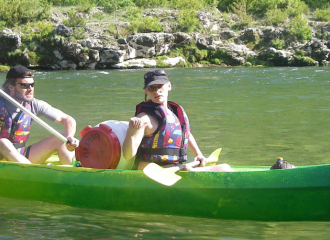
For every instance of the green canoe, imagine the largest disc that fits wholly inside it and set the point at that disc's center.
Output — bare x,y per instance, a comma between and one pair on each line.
250,193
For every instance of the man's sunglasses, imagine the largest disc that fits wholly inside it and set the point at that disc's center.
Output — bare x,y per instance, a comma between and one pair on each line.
153,73
26,85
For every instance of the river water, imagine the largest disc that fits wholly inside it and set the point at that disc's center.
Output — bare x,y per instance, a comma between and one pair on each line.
254,114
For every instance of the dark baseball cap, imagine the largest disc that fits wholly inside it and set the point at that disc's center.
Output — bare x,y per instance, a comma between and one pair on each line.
153,77
19,71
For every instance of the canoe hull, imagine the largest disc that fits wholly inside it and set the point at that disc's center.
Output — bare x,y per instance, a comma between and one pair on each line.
300,194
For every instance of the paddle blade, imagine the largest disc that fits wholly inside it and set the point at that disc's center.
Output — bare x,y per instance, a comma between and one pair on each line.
165,176
214,156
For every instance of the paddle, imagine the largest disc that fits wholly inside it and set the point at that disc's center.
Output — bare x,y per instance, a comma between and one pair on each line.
34,117
167,176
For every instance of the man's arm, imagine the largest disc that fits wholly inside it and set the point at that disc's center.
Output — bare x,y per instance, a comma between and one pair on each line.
42,108
69,124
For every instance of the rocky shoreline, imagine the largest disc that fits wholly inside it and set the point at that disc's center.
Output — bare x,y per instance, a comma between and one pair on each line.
99,50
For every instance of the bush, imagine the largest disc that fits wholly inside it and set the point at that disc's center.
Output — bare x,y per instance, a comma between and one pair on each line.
38,31
151,3
187,21
16,12
277,43
215,61
322,4
292,7
299,61
223,5
247,64
145,25
299,29
322,15
240,9
275,17
161,64
113,5
187,4
201,54
295,7
85,6
74,20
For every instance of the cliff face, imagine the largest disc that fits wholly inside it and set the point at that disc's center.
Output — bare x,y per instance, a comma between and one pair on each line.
216,44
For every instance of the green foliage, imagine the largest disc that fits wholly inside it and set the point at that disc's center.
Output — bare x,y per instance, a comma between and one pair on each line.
74,20
186,4
36,31
145,25
151,3
2,25
78,33
133,13
247,64
16,12
4,68
322,14
85,6
201,54
161,64
299,61
299,29
294,7
277,43
223,55
223,5
113,5
275,17
118,31
215,61
183,64
163,57
187,21
291,7
240,9
322,4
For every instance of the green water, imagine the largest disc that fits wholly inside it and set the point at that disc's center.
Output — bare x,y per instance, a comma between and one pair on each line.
254,114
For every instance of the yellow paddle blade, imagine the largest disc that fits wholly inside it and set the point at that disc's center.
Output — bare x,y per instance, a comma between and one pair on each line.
165,176
214,156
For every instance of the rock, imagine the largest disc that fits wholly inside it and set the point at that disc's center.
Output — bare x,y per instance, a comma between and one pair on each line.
136,63
63,30
251,35
227,34
9,40
174,61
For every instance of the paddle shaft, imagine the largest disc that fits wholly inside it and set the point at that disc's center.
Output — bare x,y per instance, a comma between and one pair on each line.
34,117
191,164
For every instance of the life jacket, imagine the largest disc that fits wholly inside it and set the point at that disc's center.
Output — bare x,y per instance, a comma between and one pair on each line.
17,130
168,144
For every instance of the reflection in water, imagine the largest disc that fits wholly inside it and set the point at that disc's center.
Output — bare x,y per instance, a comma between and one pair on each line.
37,220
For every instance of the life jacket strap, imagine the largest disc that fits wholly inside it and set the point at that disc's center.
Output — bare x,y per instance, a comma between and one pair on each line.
19,145
164,151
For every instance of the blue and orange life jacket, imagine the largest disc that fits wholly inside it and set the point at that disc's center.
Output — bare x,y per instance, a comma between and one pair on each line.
17,130
168,144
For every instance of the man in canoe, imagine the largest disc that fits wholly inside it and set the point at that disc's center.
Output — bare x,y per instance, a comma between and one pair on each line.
15,124
160,130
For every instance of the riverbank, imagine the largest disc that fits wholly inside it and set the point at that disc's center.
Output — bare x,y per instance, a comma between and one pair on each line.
72,40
